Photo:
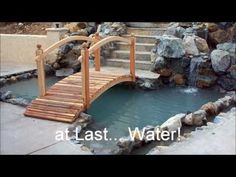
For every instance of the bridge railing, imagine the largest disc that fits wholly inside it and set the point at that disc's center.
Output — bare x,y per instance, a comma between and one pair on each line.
95,48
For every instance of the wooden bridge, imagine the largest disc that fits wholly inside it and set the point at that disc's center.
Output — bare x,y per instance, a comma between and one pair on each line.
66,99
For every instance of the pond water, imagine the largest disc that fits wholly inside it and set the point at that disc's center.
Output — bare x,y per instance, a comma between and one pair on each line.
122,106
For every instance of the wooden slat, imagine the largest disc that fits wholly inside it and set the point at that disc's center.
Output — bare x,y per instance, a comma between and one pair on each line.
53,108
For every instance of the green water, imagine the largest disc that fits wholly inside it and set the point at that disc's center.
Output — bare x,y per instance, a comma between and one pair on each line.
122,107
28,89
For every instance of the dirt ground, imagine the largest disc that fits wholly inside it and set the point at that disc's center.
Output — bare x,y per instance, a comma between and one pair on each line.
38,28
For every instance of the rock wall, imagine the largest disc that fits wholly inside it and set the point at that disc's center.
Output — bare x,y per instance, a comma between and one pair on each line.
189,54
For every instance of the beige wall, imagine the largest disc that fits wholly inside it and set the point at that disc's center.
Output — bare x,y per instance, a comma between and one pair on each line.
21,48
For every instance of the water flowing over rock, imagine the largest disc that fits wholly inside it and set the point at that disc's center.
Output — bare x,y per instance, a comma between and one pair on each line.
170,47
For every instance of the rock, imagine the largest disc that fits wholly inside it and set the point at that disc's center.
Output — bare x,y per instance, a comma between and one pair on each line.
56,65
201,44
6,95
210,108
73,27
196,118
219,106
229,47
221,60
170,47
173,123
64,72
203,81
147,84
179,79
156,150
219,36
18,101
13,79
112,29
84,117
194,45
48,69
226,83
2,81
175,31
82,32
126,144
166,72
190,46
65,49
159,63
232,71
212,27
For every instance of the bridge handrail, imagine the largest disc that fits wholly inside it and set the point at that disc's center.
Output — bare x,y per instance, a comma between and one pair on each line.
95,48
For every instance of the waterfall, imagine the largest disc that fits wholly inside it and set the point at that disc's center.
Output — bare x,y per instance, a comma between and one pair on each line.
194,64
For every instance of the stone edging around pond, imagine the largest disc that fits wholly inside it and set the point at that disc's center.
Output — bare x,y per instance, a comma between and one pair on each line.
198,118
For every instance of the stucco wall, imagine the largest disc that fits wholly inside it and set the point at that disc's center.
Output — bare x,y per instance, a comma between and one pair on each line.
20,48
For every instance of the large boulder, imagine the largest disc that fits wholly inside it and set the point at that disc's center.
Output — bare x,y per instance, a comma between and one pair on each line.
179,79
176,31
194,45
221,60
229,47
190,46
232,71
205,81
159,63
170,47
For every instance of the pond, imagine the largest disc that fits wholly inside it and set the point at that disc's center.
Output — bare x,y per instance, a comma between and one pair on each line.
122,106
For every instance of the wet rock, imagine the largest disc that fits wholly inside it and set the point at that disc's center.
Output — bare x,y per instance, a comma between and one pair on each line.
126,144
221,60
18,101
64,72
227,83
173,123
170,47
5,95
147,84
156,150
84,117
204,81
179,79
2,81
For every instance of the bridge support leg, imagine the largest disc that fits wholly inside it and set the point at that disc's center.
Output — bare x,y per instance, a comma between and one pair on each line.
97,54
132,56
85,76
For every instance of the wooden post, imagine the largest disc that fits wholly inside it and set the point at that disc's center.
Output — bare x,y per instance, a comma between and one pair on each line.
132,56
40,69
85,75
97,54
